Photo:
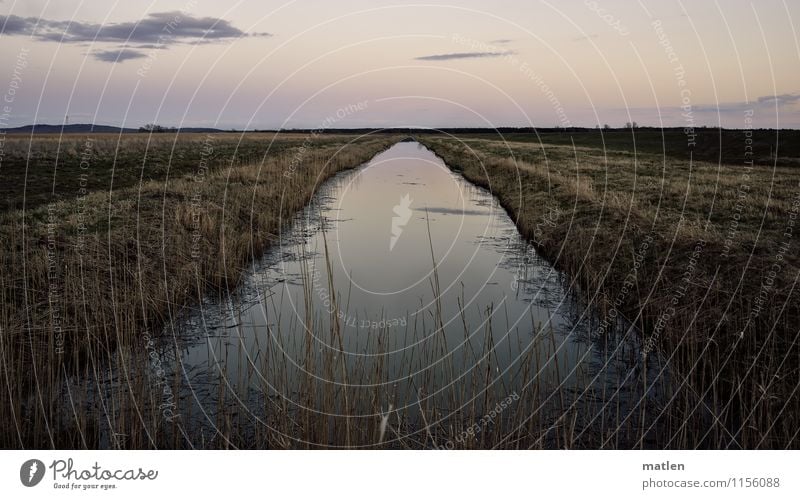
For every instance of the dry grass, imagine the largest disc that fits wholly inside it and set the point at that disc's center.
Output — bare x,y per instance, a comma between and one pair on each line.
86,276
85,298
704,292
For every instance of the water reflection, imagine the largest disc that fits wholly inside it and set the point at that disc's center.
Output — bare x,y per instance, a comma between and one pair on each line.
402,283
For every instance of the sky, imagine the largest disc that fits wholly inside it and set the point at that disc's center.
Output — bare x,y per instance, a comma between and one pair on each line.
262,64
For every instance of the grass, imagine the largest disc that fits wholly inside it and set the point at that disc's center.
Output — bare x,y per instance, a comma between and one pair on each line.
94,268
700,256
51,168
712,145
88,270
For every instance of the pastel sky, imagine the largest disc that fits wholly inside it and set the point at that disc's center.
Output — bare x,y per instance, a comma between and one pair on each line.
381,63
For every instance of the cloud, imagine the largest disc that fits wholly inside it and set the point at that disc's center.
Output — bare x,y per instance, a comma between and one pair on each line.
450,211
781,100
587,37
118,55
463,55
157,28
149,46
501,41
765,101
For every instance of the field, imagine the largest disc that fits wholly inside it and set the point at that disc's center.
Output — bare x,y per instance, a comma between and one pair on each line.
106,238
701,257
117,234
711,145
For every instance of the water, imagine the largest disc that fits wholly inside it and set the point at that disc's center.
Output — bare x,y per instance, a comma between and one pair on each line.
402,284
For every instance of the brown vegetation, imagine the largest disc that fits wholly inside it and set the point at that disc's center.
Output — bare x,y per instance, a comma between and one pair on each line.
85,276
92,273
703,258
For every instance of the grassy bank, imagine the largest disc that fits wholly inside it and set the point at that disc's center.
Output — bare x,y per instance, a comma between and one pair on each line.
700,257
51,168
117,235
712,145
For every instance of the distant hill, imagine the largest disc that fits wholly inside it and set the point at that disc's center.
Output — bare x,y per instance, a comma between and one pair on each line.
76,128
89,128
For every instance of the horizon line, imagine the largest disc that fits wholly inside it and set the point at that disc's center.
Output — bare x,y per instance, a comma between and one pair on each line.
171,128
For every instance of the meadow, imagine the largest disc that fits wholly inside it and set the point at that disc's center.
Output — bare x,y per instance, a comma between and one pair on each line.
107,238
700,256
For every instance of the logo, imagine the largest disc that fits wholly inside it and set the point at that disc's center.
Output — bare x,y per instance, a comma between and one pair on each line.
402,211
31,472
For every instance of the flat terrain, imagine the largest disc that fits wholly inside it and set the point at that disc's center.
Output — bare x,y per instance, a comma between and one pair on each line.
710,145
701,256
57,167
117,234
105,238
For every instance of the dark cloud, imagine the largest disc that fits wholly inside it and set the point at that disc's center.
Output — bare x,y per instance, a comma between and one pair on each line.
765,101
149,46
501,41
118,55
450,211
463,55
781,100
158,28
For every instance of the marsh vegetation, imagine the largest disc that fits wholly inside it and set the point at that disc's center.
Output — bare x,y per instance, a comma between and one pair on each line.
131,270
701,257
